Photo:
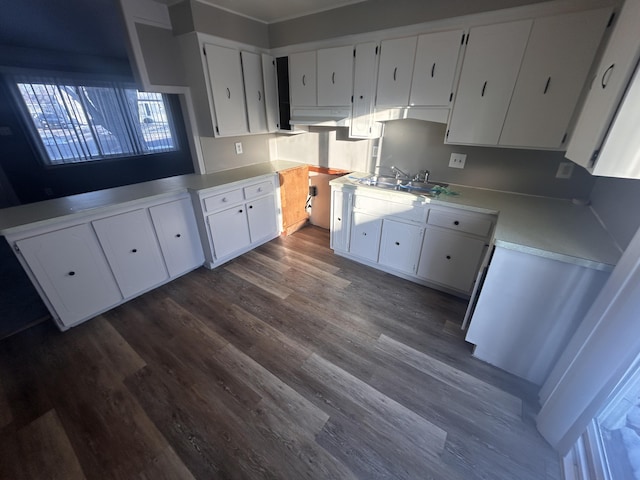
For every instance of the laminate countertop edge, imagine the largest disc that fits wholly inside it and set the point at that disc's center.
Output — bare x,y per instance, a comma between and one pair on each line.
25,217
547,227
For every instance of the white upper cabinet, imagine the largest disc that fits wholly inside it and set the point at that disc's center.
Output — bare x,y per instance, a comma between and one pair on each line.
395,72
364,90
302,79
614,72
435,68
557,60
489,72
335,76
226,82
254,92
270,79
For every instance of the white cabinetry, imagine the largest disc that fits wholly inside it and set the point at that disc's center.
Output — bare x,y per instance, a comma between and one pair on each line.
365,236
335,76
528,309
302,79
132,249
340,218
559,54
71,270
82,267
435,68
364,91
235,219
400,245
614,71
395,72
177,232
254,92
270,92
489,74
226,83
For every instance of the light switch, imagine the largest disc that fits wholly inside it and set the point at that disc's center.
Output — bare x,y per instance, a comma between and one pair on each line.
457,160
238,148
565,170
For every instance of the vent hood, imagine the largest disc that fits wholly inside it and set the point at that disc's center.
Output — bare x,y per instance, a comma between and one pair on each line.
321,116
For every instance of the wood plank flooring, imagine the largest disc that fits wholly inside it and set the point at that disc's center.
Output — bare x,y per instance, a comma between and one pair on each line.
287,363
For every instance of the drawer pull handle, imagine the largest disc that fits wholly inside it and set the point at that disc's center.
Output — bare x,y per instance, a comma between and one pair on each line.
433,69
606,75
304,80
228,93
395,71
333,78
397,243
456,222
259,96
134,250
259,189
178,235
484,87
448,257
71,273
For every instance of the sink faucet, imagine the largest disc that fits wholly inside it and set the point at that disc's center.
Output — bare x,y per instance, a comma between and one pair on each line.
422,176
399,173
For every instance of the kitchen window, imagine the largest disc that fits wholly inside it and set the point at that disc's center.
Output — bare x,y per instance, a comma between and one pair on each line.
74,122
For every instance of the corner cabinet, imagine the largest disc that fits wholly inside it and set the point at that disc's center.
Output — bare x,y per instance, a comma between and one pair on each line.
231,92
238,217
437,246
84,267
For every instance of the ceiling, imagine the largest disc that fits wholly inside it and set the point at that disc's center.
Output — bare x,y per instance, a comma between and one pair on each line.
271,11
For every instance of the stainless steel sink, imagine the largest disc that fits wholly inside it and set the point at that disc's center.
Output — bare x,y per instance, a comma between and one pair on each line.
393,183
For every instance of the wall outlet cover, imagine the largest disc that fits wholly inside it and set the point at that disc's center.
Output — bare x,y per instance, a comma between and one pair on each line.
238,148
457,160
565,170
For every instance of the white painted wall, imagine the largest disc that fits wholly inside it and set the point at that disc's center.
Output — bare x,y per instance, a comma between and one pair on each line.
617,202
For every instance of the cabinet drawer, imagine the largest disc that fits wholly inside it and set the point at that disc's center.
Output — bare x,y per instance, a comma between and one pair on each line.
474,224
380,207
216,202
258,189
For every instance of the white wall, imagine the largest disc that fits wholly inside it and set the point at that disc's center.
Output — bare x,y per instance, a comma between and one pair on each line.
220,153
617,202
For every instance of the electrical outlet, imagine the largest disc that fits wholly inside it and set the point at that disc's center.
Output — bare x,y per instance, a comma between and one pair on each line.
457,160
565,170
238,148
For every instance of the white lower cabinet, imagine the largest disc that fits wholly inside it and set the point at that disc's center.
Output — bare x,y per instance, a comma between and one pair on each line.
132,249
400,245
235,219
365,236
229,231
450,258
71,271
177,233
84,267
438,246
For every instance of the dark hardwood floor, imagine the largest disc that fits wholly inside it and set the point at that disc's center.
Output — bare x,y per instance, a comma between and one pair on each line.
287,363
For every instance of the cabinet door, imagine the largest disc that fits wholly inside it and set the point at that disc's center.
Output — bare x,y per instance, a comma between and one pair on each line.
270,92
365,236
400,245
131,247
254,92
555,66
225,77
262,218
614,71
335,76
72,271
489,74
364,89
302,79
229,231
395,72
435,68
450,259
175,225
340,208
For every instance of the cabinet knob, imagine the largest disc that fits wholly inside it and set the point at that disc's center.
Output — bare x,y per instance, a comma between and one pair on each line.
250,206
448,257
456,222
71,273
339,219
397,243
361,97
178,235
224,199
240,211
364,233
259,189
134,250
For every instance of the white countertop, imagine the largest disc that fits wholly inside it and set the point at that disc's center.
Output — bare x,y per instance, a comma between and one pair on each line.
548,227
22,217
